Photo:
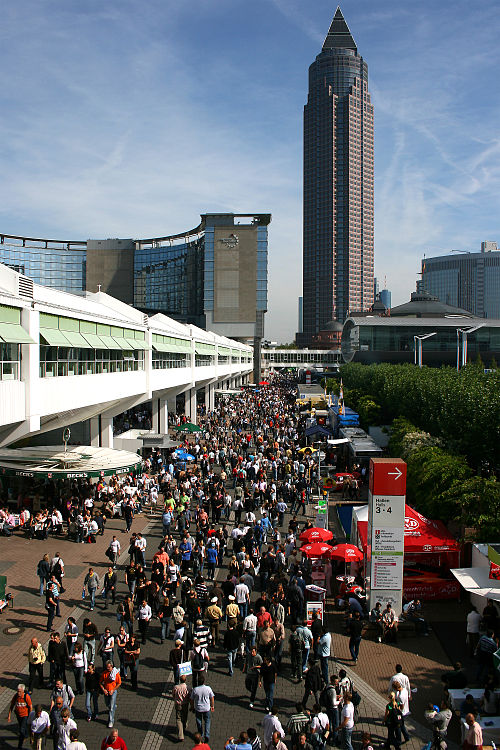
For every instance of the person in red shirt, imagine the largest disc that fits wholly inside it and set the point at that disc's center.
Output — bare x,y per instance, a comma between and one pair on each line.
198,744
113,742
264,619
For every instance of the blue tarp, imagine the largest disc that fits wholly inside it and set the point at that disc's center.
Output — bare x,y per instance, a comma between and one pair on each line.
317,429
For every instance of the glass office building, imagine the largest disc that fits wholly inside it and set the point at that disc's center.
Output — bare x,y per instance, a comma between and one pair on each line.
213,276
467,280
60,265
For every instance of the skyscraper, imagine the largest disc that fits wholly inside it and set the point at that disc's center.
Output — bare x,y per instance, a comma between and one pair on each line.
338,184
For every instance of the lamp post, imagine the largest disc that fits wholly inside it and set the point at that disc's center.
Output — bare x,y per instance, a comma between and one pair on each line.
418,346
465,332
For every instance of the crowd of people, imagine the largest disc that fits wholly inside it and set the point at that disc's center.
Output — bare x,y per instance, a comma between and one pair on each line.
225,582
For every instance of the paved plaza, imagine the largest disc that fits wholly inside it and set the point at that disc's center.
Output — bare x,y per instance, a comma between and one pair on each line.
146,719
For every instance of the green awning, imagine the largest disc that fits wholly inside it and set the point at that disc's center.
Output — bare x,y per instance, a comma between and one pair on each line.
133,343
110,342
76,339
123,342
160,346
224,351
207,349
14,333
94,341
54,337
184,346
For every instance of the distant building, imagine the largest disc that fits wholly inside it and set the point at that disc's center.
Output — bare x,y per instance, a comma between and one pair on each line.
467,280
391,338
385,298
300,327
338,242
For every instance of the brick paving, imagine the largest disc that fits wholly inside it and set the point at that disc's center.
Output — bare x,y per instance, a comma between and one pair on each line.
145,719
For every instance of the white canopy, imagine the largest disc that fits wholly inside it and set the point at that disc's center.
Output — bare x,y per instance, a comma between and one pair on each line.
477,581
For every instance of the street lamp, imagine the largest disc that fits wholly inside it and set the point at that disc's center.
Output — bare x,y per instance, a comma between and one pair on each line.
418,347
464,332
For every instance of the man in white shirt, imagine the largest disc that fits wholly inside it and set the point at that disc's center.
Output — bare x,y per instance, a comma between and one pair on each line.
140,547
250,630
115,548
270,724
242,594
401,678
144,615
39,725
66,725
75,743
473,620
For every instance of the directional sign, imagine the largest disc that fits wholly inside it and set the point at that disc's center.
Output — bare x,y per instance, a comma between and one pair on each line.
387,476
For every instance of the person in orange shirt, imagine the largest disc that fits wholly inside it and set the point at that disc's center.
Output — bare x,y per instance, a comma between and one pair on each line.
109,683
22,706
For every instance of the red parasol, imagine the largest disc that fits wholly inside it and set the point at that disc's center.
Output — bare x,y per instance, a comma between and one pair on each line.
316,535
318,549
347,552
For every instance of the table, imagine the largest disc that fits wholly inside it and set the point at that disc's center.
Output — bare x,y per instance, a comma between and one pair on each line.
457,695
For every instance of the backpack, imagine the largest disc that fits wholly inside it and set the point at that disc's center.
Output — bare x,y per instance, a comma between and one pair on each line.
395,718
356,698
326,699
198,662
57,569
296,641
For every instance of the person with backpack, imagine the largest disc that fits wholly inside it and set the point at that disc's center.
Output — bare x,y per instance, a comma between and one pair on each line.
22,707
330,701
199,659
313,682
393,719
91,582
43,572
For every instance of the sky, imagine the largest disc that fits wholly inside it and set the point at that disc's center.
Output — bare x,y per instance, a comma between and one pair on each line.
130,119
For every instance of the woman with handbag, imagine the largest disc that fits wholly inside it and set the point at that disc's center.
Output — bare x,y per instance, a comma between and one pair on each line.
122,639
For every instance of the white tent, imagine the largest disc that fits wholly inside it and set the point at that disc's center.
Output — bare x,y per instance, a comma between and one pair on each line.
477,581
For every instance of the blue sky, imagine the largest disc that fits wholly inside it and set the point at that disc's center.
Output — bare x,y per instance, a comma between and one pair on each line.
130,119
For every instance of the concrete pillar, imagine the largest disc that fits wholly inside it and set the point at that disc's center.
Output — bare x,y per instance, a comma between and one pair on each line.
101,432
106,432
190,407
210,397
159,413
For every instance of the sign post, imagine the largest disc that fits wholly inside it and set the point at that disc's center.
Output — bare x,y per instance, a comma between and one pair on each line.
386,522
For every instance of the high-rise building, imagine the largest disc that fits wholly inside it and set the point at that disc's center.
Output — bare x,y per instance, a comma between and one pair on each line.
470,281
338,243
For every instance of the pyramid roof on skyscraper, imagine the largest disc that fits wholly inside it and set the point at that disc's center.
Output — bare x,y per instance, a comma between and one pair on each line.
339,34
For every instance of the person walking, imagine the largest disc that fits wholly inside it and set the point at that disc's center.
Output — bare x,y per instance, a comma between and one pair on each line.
214,616
295,647
92,692
79,662
175,658
21,705
324,648
313,682
43,573
269,673
113,741
66,725
109,683
131,656
144,616
58,657
90,635
393,719
355,629
203,703
199,659
114,550
50,604
252,667
71,633
346,723
181,695
106,647
74,742
109,586
39,725
231,643
91,581
36,660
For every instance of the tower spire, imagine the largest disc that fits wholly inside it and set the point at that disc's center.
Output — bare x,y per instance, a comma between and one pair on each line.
339,34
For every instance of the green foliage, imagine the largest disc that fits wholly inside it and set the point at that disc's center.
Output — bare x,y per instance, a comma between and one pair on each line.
369,412
461,408
478,501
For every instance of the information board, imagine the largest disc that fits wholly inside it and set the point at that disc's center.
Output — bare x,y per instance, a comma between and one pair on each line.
386,521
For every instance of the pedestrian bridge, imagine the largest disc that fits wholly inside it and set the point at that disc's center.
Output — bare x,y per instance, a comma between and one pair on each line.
317,359
66,358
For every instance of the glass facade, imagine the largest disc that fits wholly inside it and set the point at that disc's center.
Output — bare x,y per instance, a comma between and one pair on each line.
9,361
58,265
262,268
61,361
470,281
169,279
